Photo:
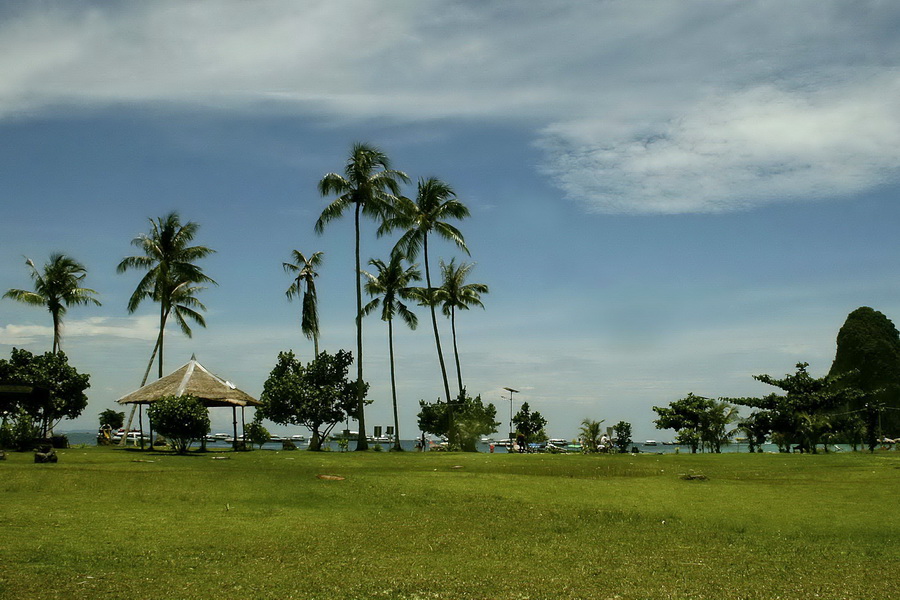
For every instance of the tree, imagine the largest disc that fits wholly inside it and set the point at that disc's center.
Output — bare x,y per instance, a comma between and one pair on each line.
804,394
371,187
757,427
455,293
530,424
181,419
112,419
256,433
304,271
590,434
469,420
62,387
56,288
172,277
713,428
686,416
435,203
393,285
622,432
318,396
868,358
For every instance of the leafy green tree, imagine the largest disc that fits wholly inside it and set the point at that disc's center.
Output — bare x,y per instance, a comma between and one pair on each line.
469,420
181,419
714,432
757,427
868,359
590,434
622,433
172,278
391,286
435,204
454,294
256,432
62,387
18,431
112,419
56,288
686,416
530,424
370,187
804,394
304,272
317,396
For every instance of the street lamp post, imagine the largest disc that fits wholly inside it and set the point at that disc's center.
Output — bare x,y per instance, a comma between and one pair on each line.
511,392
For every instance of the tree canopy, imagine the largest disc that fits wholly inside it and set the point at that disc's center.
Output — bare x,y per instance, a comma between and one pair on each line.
317,395
51,372
468,420
181,419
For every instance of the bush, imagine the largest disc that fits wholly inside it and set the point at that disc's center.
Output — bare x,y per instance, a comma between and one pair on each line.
181,419
19,432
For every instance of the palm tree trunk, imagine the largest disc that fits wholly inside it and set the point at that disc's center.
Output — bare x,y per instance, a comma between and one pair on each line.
455,349
394,386
57,331
162,327
361,442
437,335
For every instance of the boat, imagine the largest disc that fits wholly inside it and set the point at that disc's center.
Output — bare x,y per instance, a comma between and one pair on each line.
650,443
298,438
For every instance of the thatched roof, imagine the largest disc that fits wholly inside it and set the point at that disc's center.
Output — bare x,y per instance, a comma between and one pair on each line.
193,379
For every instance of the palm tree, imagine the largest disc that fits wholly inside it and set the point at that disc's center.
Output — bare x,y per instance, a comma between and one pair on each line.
56,288
435,203
371,187
171,274
392,284
456,293
590,434
305,273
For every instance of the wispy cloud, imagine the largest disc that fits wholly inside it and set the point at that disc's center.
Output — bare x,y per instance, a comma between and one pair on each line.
128,328
662,107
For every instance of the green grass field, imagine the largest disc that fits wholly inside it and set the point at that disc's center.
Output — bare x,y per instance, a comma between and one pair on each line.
113,523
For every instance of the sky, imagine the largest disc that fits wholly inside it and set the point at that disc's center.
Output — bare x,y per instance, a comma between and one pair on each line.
666,196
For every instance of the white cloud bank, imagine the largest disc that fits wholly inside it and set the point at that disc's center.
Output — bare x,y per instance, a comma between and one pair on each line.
109,328
640,107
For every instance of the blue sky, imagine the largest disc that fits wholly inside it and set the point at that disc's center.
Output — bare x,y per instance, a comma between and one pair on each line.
666,197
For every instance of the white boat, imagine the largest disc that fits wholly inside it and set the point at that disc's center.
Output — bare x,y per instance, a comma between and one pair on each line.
133,436
650,443
298,438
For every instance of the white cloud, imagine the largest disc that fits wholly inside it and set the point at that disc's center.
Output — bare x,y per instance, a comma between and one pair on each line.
128,328
661,107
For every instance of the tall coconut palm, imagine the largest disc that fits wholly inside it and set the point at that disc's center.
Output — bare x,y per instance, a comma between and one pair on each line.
455,293
390,287
56,288
171,274
435,203
304,271
371,187
590,434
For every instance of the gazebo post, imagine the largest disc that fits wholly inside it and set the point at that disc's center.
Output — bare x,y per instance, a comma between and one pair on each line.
234,417
243,428
141,424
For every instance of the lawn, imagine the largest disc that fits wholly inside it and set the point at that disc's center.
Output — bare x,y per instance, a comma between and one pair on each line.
114,523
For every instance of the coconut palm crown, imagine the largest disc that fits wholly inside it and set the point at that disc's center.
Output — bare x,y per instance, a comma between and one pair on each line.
435,204
371,187
454,294
390,287
56,287
172,277
304,272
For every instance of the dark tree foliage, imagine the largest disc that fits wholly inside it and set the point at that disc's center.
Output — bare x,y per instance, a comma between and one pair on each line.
112,419
686,417
256,433
757,426
622,433
462,424
317,396
530,424
51,372
868,356
800,417
181,419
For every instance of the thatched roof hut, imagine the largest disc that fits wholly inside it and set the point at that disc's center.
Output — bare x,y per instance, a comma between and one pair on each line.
192,378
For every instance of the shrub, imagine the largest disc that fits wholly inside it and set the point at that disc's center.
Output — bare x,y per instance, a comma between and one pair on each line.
181,419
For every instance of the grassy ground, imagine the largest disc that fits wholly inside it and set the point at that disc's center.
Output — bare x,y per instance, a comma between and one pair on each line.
113,523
